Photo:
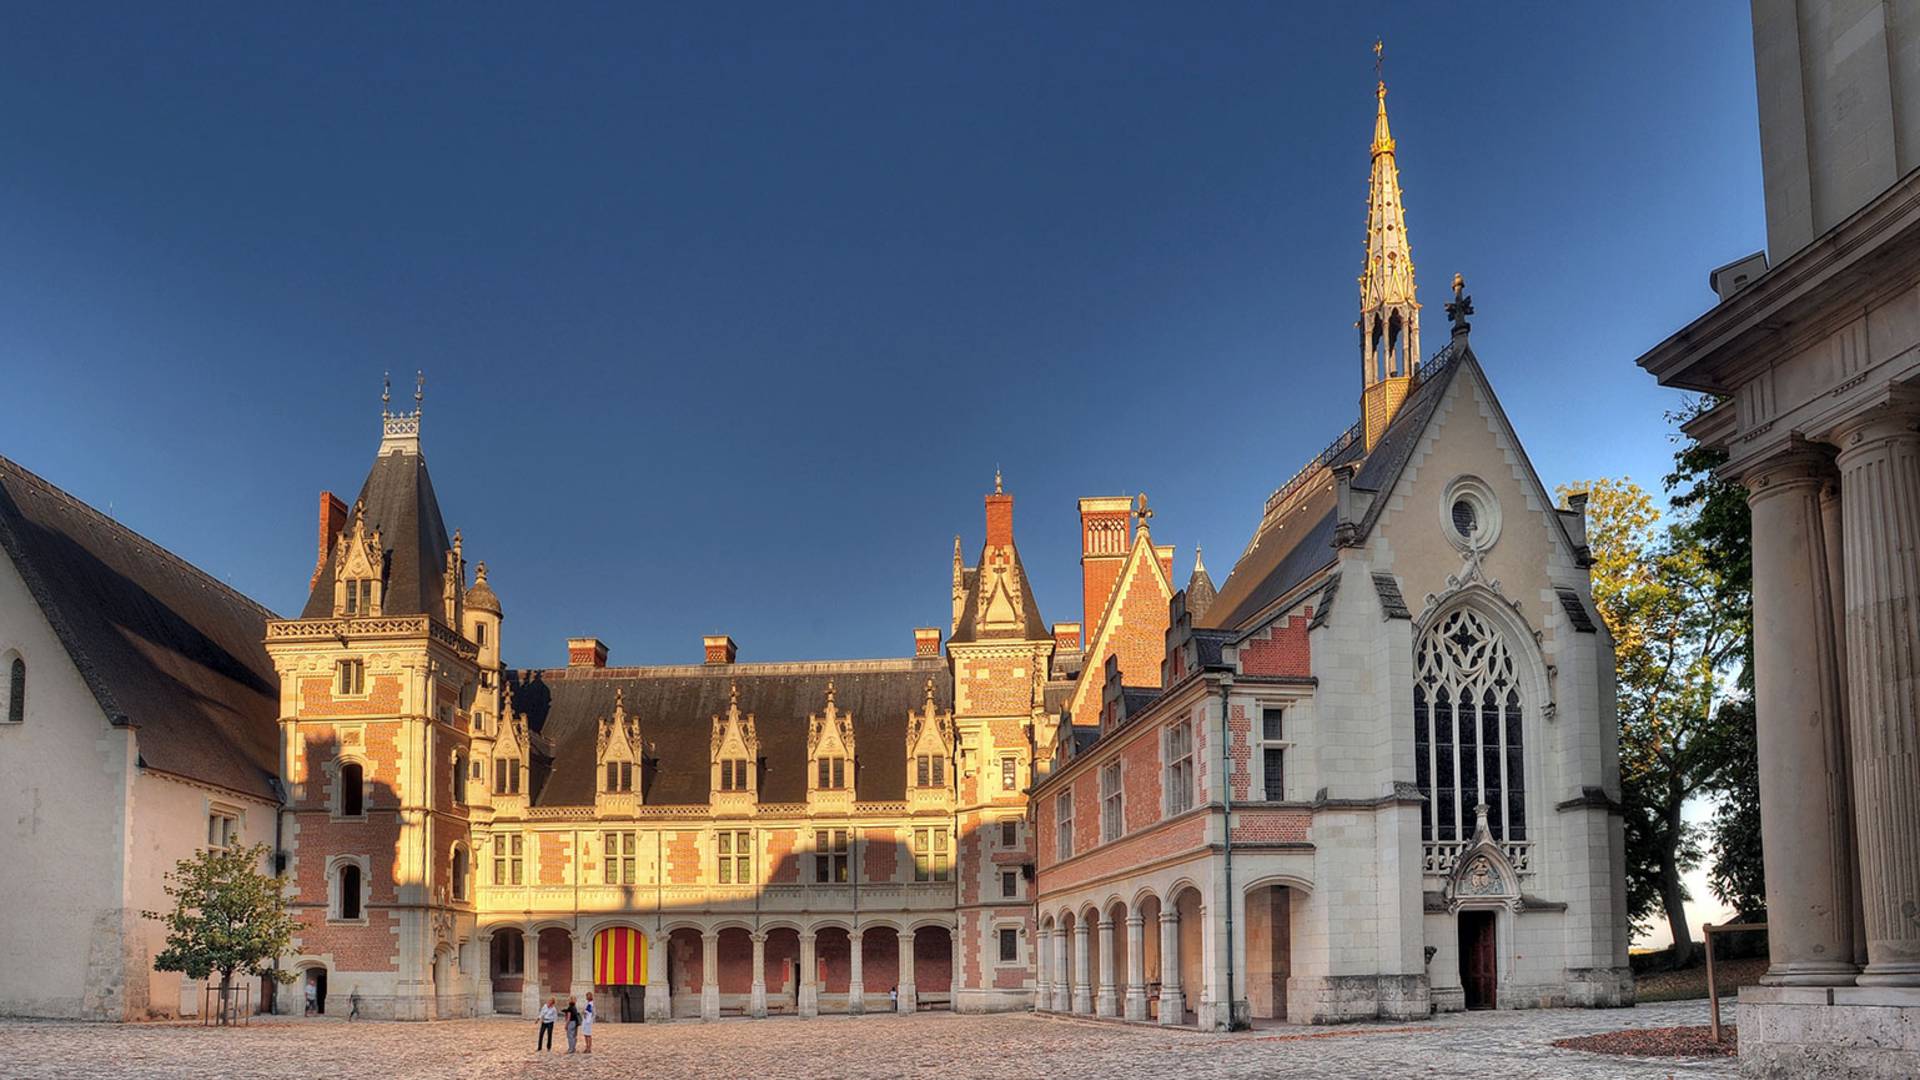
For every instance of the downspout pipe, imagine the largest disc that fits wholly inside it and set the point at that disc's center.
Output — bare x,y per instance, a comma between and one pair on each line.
1226,801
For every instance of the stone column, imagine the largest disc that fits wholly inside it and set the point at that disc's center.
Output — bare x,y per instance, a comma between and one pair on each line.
582,983
1136,1001
658,1004
856,987
808,992
758,1004
709,975
483,976
954,974
530,997
1803,792
1042,969
1082,993
1172,1006
1107,1003
1831,532
1880,495
909,1000
1063,976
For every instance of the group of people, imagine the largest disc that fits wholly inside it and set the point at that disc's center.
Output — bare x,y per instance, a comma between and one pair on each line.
579,1024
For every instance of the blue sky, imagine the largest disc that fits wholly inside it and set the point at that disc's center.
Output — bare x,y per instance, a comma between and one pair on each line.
728,315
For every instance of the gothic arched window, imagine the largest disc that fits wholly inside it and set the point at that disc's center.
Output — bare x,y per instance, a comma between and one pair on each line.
349,891
1466,730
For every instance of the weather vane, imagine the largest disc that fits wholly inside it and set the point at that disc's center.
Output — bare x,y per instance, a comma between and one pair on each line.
1379,57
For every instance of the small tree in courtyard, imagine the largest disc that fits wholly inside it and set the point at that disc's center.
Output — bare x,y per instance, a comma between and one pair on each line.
228,918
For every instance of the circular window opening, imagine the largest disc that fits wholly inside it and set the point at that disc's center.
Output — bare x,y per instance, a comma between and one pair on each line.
1465,518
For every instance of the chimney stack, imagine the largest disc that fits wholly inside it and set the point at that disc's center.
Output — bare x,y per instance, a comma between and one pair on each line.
1106,531
999,515
720,648
1066,637
926,641
333,518
586,652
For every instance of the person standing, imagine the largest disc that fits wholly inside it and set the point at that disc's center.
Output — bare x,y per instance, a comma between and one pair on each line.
353,1003
548,1014
573,1023
893,998
313,997
586,1023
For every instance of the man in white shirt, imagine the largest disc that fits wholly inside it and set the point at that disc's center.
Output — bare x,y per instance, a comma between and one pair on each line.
548,1014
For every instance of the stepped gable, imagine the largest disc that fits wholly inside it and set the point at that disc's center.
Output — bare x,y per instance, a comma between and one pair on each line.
676,706
163,646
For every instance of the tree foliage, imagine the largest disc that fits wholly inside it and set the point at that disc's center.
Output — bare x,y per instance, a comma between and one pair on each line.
1677,632
228,918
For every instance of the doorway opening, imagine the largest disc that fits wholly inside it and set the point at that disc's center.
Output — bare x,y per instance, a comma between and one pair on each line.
1479,960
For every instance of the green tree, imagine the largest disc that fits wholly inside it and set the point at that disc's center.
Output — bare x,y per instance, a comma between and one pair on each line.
228,918
1675,636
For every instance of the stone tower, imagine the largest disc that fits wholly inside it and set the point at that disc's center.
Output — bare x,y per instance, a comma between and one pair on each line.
1389,313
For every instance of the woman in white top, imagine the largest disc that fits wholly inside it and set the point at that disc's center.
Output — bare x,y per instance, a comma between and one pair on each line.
586,1023
548,1014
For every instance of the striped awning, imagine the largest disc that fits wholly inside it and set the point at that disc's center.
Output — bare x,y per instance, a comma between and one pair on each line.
620,957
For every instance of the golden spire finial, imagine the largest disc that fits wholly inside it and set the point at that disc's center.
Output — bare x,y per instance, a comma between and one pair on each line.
996,481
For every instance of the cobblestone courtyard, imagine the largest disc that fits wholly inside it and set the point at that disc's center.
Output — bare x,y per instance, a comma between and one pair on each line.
1507,1044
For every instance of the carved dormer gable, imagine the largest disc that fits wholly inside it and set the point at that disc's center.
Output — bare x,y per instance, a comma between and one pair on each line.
617,749
1483,874
733,751
929,747
830,749
359,569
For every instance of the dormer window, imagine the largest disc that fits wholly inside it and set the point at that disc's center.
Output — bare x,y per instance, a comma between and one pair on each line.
930,770
359,598
620,776
506,776
832,773
734,774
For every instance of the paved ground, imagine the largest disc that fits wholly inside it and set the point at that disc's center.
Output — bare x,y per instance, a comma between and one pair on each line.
1507,1044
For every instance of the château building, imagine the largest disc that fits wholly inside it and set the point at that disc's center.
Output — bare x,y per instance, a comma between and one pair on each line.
1373,773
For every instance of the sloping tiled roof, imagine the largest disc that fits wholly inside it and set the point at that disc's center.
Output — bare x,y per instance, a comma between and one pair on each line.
163,646
1032,626
676,706
399,501
1297,544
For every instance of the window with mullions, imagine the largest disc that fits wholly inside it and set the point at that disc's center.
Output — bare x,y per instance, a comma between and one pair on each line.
833,773
1273,754
1063,826
830,856
351,676
506,776
1113,822
509,860
1179,768
619,776
930,855
620,852
1009,773
733,774
1467,731
733,850
930,770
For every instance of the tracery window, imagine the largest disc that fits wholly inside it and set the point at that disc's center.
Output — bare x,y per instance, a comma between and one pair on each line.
1466,731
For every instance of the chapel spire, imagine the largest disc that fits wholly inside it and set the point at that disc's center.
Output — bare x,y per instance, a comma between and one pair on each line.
1389,313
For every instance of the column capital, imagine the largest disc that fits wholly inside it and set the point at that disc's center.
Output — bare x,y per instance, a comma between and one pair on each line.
759,937
1169,918
906,935
1894,419
1136,919
1799,464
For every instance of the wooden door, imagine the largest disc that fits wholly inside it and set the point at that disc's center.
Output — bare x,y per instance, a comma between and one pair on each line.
1479,959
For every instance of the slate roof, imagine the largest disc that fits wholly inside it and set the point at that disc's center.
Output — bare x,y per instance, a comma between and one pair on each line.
676,707
163,646
399,501
1290,549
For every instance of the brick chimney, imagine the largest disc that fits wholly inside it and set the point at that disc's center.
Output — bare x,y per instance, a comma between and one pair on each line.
1066,637
926,641
586,652
720,648
333,518
999,515
1106,531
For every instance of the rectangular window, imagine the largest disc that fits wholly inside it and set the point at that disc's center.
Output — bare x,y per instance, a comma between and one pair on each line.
620,854
509,954
619,776
506,776
930,770
1273,756
1179,768
352,676
1271,724
830,856
1112,823
1009,884
1063,826
1009,833
1275,766
1009,945
360,597
733,774
930,855
833,773
222,829
479,633
507,859
1009,773
733,851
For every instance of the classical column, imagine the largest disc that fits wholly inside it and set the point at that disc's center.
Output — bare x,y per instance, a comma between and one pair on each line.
1042,969
1082,993
1831,532
582,983
1063,975
530,997
709,975
809,989
658,1003
758,1004
1172,1007
1108,1001
909,1001
1880,509
483,977
1803,781
1136,1001
856,987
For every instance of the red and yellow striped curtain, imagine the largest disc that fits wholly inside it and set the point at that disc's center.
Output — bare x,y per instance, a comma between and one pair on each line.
620,957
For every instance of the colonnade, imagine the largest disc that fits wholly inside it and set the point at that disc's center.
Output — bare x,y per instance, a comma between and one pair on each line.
1067,973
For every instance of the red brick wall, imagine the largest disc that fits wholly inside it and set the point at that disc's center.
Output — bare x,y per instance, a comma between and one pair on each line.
882,854
992,688
1140,775
880,960
1183,835
932,961
555,850
783,865
556,961
735,961
833,960
1271,826
999,520
316,698
1280,648
683,858
1140,641
1086,810
1240,752
684,962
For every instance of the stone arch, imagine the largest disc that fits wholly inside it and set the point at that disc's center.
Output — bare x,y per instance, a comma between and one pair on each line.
1115,959
1270,919
828,923
1189,904
885,922
1141,896
686,971
730,924
768,926
1291,881
925,922
674,926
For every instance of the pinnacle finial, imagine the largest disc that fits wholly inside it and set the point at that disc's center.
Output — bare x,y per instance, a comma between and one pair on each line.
996,481
1198,566
1379,60
386,389
419,388
929,692
1460,307
480,573
829,693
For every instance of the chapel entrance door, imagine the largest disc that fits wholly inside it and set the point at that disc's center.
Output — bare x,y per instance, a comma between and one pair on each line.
1479,961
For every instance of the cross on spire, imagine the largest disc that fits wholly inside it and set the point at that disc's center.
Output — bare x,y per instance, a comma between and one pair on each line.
1460,307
